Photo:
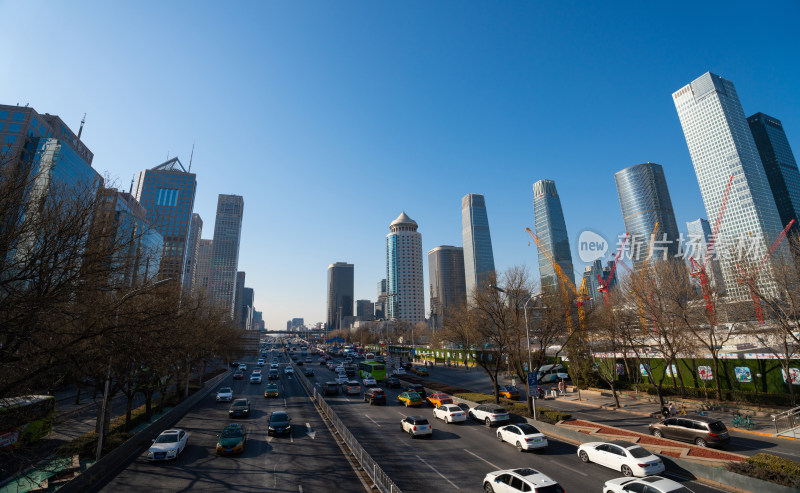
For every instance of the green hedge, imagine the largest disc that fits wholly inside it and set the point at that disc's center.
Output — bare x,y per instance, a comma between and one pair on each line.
517,407
770,468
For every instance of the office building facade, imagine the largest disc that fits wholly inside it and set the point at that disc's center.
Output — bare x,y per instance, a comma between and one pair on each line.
202,271
238,296
192,249
380,305
225,256
779,165
548,218
167,191
246,317
645,202
699,240
447,281
478,255
365,310
721,145
405,295
340,293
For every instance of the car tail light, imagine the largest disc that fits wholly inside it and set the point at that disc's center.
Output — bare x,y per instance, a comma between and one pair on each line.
642,465
415,428
529,439
712,434
452,415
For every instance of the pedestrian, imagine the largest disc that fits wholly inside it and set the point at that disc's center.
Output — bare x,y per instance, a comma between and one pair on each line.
672,410
665,411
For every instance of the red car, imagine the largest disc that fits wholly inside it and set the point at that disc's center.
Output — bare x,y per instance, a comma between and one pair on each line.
238,375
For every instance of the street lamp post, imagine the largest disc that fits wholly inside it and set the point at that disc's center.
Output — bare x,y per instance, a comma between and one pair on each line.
106,390
531,398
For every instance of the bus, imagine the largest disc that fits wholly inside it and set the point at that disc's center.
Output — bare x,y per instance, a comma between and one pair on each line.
372,369
25,419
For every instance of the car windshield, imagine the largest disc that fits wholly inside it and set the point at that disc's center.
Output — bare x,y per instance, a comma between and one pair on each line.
717,426
553,488
170,438
422,421
231,433
239,404
272,387
225,391
639,452
278,417
412,395
528,429
497,410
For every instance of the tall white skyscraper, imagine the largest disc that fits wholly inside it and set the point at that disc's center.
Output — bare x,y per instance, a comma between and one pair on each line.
405,297
721,145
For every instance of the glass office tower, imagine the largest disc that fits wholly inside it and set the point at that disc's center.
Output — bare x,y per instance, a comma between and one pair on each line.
405,298
447,281
225,255
721,145
478,256
644,199
340,293
779,165
551,229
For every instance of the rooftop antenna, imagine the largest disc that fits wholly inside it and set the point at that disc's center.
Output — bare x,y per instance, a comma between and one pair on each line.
190,158
131,189
80,131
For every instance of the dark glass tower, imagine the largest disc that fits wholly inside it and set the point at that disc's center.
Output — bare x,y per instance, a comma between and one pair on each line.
340,293
644,198
478,256
447,282
779,164
225,254
552,231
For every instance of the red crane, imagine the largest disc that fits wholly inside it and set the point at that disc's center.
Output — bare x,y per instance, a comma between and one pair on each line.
752,280
698,269
604,285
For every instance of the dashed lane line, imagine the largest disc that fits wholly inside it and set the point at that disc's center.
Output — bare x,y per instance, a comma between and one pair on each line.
379,425
437,472
481,458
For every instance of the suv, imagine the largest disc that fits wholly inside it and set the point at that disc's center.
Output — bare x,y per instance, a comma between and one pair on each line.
416,426
375,396
330,388
352,387
491,414
703,431
524,479
239,408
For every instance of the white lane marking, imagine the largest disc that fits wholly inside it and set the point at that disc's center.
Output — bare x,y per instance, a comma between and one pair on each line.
270,438
437,472
379,425
402,414
481,458
574,470
300,488
291,438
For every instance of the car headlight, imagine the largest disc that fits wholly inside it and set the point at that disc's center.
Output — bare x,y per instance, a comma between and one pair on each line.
172,451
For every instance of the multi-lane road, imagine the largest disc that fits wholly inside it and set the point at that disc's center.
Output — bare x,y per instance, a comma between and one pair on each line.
456,458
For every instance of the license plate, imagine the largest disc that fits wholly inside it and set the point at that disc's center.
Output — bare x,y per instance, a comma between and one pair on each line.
537,439
160,455
228,450
280,430
724,435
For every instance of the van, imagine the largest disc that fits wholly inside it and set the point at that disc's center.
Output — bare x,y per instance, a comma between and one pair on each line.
549,373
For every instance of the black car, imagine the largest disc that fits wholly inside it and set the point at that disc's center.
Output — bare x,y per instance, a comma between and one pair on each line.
419,389
330,388
273,374
393,383
279,423
375,396
240,408
309,372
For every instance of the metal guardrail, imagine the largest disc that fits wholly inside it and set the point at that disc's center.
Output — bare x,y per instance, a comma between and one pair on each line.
786,421
380,479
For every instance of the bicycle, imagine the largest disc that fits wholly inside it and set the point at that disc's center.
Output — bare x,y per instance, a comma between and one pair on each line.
700,412
745,421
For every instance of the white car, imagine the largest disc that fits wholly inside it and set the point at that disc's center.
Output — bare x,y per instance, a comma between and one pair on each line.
525,479
626,457
255,378
225,394
243,367
654,484
288,371
523,436
489,414
261,362
399,371
369,382
416,426
341,379
450,413
168,445
273,366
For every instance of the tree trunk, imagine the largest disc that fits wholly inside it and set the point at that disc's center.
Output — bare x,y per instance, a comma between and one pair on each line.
715,359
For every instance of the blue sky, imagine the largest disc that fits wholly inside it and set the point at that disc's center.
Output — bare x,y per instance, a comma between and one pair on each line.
331,118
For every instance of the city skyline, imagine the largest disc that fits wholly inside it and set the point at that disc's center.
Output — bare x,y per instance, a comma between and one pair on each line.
446,108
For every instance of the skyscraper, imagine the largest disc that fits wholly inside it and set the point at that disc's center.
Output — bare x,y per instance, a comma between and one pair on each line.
192,247
699,239
238,297
447,281
644,199
247,309
380,305
202,271
340,293
551,229
405,295
779,165
478,256
225,257
167,192
365,310
721,145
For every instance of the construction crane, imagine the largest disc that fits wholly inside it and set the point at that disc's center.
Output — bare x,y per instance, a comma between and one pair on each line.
699,269
581,294
752,280
603,285
643,265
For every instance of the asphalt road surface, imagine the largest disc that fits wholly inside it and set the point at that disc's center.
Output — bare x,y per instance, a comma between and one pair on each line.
741,443
297,463
457,456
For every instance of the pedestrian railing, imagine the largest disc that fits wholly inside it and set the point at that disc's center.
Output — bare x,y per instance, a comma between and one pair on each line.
786,421
380,479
